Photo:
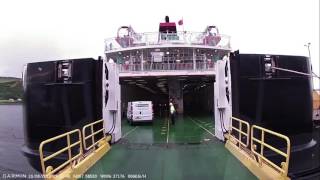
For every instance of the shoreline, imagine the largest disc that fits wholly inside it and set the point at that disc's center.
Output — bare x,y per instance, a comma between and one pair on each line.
6,102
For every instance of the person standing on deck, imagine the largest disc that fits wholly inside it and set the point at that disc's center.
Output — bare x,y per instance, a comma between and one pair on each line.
172,113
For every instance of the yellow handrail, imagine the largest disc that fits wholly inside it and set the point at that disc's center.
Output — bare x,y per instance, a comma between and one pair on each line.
240,131
284,165
92,134
49,170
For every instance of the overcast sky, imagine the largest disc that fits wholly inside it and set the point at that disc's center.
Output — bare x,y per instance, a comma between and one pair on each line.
50,30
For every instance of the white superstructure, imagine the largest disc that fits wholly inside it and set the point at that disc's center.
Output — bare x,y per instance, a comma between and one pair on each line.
177,57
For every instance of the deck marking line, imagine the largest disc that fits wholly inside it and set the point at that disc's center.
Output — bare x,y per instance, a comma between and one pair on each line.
202,127
130,132
168,131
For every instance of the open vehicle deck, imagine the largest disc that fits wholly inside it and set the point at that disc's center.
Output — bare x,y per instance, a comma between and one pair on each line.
186,150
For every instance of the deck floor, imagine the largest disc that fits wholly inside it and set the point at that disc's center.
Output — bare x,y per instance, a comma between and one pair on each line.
186,150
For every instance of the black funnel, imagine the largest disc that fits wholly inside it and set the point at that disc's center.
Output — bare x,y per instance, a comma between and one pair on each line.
167,19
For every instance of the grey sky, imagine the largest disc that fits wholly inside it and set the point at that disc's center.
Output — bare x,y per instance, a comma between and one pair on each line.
48,30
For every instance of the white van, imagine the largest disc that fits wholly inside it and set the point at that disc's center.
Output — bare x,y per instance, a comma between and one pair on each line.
140,111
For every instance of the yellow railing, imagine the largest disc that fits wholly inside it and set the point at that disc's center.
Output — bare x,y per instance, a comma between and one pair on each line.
92,134
283,168
240,131
49,170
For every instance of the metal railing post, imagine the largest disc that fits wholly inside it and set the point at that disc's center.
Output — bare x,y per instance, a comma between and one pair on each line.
283,167
240,131
262,145
92,134
240,128
50,171
92,137
194,59
69,150
141,60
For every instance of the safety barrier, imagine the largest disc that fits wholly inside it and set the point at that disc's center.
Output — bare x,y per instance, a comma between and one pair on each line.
240,131
284,165
255,160
76,164
164,66
49,170
92,134
155,38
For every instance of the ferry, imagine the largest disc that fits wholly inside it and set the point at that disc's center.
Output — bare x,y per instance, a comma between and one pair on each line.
238,116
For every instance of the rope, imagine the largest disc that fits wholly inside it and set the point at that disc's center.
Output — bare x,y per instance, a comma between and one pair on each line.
297,72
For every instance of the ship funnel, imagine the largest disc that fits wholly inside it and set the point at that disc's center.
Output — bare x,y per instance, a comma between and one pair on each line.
167,26
167,19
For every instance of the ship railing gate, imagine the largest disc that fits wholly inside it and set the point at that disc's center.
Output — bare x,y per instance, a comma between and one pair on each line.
83,151
249,144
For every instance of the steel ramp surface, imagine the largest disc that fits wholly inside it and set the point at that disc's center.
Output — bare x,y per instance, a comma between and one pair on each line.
186,150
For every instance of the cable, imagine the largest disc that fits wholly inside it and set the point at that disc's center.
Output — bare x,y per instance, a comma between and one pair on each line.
315,75
296,72
224,130
114,119
113,125
110,132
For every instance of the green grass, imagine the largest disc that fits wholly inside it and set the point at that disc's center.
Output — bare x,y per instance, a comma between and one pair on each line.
8,79
10,88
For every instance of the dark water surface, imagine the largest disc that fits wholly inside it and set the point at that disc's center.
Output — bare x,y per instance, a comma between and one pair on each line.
12,161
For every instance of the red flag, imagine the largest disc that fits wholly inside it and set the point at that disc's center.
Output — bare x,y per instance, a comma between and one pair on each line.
180,22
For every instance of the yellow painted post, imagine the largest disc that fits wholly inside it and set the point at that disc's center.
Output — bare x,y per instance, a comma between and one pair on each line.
69,149
92,136
240,128
80,139
262,145
41,158
261,166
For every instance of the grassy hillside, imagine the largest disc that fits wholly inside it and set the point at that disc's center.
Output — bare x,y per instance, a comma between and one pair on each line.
9,79
10,88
